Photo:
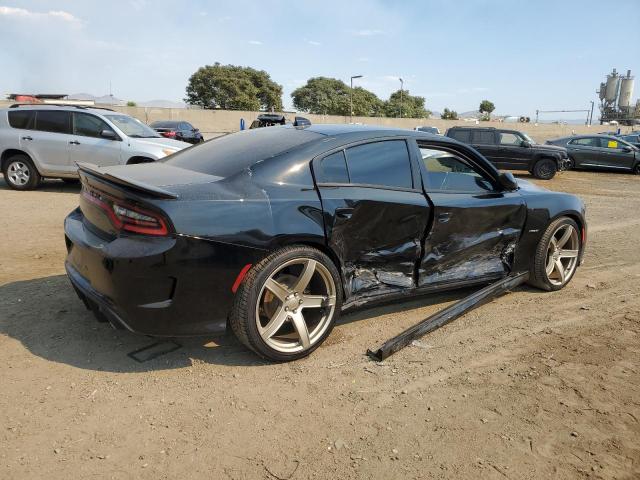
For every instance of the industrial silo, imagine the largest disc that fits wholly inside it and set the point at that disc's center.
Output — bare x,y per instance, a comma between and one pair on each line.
611,91
626,91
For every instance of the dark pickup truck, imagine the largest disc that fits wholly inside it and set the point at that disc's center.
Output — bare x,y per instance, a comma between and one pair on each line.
513,150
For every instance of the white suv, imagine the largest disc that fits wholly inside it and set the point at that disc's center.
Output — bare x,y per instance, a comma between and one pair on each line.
40,141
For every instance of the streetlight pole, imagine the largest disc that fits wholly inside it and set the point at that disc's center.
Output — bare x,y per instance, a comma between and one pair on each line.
401,94
351,98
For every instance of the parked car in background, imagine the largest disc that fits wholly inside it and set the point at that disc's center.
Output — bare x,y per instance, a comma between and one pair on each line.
47,141
513,150
275,119
600,152
433,130
632,138
178,130
274,231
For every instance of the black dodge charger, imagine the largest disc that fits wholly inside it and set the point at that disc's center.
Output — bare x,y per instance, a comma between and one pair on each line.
276,231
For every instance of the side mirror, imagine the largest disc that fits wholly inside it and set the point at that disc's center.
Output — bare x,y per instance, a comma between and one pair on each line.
525,144
626,149
508,181
108,134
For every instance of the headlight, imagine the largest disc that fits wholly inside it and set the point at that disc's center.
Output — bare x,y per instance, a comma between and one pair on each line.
168,151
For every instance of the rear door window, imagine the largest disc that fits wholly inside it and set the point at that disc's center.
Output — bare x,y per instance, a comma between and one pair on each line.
24,119
384,163
54,121
586,142
463,136
483,137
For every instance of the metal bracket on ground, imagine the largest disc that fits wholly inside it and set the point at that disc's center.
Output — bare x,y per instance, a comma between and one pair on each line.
447,315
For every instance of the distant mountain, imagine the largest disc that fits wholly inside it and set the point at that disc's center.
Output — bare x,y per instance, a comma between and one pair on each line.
162,104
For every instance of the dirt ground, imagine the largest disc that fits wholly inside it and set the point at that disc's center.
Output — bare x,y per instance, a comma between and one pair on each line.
533,385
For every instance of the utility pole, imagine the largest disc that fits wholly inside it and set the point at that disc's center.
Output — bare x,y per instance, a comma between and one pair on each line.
401,95
351,98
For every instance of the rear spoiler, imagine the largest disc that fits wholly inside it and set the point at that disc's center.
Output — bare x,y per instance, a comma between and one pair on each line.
158,192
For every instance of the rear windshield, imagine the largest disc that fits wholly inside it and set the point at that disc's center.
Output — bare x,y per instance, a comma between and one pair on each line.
164,124
227,155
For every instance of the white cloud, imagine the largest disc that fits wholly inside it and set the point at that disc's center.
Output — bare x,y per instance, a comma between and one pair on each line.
255,42
362,59
27,14
313,42
368,32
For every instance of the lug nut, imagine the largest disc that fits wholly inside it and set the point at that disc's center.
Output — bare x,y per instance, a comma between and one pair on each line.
299,302
286,309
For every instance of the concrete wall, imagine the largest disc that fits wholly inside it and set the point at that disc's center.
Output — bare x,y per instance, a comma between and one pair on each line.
217,122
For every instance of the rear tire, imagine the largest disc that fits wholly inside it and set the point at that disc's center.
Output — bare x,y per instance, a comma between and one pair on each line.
636,170
20,173
556,258
545,169
287,304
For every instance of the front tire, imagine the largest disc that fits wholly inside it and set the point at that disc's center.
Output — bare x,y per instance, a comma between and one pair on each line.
20,173
636,169
545,169
556,258
287,304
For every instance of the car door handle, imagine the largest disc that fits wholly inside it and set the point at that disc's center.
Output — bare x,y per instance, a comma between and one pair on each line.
27,138
344,213
74,142
444,217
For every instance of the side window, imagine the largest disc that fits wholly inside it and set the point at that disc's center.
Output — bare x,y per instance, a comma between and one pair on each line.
54,121
586,142
333,169
88,125
380,163
507,138
463,136
186,126
449,173
24,119
483,137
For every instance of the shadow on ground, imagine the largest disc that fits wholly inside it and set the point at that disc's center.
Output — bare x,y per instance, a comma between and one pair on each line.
48,185
46,316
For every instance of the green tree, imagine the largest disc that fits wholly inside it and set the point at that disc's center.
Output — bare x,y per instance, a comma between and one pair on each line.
330,96
233,87
131,104
323,96
412,106
486,107
366,103
449,114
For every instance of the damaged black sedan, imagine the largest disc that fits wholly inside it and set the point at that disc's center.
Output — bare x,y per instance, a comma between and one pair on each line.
274,232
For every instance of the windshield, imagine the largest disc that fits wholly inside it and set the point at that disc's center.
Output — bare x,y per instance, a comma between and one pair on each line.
528,138
132,127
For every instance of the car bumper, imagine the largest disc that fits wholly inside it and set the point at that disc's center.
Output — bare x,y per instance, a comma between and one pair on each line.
158,286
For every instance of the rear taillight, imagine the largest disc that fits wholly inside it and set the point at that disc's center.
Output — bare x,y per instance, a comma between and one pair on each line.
126,217
169,134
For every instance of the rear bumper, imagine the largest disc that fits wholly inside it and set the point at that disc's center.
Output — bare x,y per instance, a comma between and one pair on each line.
158,286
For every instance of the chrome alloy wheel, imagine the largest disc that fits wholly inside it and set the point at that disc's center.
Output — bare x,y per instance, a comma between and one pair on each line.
296,305
562,254
18,173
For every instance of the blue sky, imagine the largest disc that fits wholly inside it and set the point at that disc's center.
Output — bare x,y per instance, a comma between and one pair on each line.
521,55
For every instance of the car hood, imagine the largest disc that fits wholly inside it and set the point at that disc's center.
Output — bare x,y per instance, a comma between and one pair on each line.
551,148
160,142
